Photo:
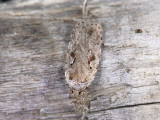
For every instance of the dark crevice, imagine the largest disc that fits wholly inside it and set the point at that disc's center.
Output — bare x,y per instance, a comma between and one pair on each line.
135,105
129,106
5,0
156,83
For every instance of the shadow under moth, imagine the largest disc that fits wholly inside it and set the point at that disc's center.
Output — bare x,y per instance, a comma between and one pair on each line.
83,56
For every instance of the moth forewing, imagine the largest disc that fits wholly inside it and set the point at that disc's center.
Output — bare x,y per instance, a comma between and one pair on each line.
83,54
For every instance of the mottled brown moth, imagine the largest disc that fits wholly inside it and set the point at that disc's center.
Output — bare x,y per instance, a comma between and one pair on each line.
82,60
83,54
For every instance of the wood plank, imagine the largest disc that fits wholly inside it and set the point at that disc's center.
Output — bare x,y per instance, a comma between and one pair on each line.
33,41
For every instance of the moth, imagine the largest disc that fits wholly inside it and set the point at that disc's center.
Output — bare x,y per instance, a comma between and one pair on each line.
83,55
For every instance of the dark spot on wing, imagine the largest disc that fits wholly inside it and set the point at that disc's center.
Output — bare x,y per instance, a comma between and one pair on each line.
90,31
93,57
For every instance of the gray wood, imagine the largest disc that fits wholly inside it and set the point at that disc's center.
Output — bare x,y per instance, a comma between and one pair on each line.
33,41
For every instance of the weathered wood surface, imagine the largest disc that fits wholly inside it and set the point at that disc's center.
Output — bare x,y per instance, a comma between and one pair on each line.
33,40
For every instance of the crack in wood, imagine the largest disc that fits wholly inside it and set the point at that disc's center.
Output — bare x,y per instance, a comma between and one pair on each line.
127,106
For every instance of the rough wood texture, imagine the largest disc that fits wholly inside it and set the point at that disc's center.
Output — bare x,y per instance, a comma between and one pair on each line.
33,41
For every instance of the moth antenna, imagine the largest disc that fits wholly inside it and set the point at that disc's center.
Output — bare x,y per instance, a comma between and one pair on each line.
85,9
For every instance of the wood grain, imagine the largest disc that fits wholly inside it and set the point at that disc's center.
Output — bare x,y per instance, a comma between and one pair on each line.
34,36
